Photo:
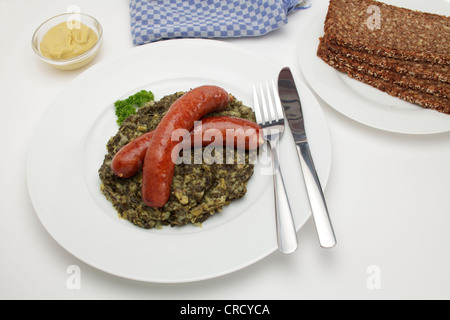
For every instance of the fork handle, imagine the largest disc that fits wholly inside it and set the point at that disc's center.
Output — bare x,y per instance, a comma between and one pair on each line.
286,233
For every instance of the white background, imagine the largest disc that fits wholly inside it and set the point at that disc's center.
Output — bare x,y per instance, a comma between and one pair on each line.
388,193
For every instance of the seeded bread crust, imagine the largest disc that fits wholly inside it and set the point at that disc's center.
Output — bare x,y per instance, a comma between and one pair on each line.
420,98
421,70
437,88
403,34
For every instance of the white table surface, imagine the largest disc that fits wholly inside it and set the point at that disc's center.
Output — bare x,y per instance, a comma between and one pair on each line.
388,193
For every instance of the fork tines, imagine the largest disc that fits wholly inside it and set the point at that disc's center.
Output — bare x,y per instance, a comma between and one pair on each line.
268,107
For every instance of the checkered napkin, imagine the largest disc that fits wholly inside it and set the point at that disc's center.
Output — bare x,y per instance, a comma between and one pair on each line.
167,19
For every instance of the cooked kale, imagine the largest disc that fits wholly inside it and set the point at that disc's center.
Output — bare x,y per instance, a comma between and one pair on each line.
198,190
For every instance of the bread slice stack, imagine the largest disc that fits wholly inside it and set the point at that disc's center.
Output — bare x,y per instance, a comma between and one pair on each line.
402,52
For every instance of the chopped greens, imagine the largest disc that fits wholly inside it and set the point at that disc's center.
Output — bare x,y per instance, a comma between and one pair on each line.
128,107
198,190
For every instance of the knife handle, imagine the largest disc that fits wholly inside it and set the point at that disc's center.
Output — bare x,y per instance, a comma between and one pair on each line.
286,233
317,202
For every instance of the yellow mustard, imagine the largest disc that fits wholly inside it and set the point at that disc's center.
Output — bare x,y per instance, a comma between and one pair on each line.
67,40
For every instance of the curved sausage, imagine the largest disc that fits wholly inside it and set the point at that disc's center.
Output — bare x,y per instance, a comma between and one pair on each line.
130,158
158,167
234,131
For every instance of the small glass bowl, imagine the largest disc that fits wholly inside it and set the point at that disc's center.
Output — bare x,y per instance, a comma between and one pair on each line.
74,62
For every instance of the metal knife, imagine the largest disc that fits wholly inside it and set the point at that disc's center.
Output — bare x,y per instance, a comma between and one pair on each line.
292,106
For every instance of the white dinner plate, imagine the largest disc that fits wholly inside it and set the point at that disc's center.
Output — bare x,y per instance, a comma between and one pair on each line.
70,144
362,102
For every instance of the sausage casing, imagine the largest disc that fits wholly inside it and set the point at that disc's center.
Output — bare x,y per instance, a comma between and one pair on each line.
158,166
129,160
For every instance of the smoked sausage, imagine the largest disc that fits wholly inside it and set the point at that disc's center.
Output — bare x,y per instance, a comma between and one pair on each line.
130,158
233,131
158,166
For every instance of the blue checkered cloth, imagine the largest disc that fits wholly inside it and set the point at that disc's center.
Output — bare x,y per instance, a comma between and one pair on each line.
167,19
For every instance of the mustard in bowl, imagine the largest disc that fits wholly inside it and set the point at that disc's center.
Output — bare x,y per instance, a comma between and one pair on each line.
68,41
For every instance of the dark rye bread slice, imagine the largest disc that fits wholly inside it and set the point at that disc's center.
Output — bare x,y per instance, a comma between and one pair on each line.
403,34
437,88
421,70
423,99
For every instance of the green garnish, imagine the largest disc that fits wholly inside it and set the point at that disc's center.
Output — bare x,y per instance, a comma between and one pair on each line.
128,107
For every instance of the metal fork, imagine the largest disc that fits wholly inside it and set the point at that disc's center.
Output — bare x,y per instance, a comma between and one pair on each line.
270,117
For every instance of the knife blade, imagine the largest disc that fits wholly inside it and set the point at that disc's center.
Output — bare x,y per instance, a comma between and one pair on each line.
292,106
